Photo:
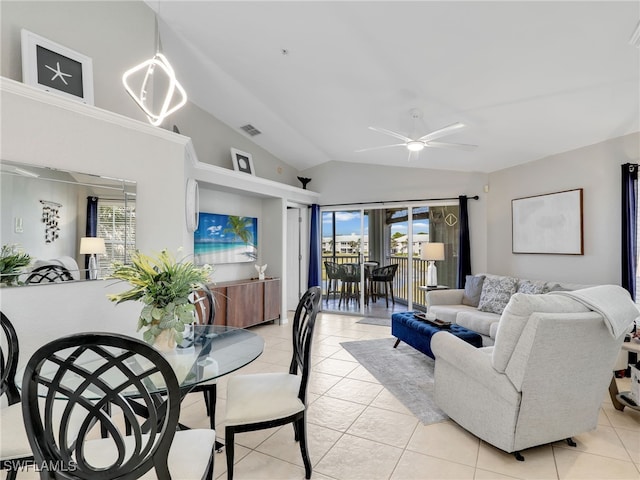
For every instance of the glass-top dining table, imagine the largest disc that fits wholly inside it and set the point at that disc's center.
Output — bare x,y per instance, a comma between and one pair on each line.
209,352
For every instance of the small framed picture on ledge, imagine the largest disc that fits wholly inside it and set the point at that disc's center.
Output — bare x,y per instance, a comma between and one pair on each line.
55,68
242,161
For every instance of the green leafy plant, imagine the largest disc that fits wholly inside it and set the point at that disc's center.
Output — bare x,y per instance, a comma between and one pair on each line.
12,263
163,284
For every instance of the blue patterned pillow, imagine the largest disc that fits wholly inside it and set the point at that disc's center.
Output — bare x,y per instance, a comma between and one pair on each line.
532,287
496,292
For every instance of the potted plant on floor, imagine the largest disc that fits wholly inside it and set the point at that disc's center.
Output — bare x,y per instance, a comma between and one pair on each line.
163,284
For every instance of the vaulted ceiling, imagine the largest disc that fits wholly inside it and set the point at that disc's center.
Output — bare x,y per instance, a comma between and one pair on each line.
528,79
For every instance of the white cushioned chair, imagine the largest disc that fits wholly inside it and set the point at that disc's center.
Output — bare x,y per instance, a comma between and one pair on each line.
545,378
266,400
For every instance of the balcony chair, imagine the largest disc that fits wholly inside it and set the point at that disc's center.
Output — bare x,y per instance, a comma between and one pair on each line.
350,278
93,372
384,275
546,375
15,450
266,400
333,279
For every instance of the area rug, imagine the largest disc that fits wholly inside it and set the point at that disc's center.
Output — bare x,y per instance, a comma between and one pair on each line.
384,322
405,372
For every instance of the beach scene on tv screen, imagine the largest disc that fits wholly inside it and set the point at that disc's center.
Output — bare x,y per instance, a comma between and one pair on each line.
225,239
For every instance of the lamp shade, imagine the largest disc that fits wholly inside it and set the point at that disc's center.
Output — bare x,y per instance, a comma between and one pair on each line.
91,245
432,251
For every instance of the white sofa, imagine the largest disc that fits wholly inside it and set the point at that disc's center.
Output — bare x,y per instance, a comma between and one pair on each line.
546,376
458,306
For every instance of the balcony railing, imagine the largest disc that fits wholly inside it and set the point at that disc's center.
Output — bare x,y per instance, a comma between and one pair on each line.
401,281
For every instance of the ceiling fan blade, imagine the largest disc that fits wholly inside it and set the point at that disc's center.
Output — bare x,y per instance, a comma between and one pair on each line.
389,132
455,146
378,148
442,132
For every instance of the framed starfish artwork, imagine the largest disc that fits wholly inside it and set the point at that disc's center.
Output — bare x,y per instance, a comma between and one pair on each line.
55,68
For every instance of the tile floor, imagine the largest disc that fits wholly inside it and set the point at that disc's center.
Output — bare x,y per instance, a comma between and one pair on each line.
358,430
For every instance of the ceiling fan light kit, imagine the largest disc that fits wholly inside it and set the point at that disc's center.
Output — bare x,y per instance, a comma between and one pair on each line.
417,145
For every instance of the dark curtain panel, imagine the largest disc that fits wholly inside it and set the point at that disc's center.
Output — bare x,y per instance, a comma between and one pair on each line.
629,226
92,226
464,253
315,246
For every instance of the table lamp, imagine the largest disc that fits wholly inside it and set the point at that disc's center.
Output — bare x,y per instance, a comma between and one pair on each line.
431,252
92,246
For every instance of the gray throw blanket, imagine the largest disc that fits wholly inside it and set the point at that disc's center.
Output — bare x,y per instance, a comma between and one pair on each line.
612,302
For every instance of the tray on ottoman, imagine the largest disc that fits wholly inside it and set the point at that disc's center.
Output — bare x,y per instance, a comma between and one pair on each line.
417,333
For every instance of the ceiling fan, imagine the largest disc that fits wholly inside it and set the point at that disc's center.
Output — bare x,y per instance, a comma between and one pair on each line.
428,140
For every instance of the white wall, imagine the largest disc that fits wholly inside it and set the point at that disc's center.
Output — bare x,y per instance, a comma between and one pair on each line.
76,137
340,183
118,35
596,169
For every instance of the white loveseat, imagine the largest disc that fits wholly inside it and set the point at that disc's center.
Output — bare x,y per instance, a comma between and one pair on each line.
546,376
461,306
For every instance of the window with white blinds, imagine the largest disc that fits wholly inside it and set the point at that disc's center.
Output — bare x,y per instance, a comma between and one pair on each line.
117,225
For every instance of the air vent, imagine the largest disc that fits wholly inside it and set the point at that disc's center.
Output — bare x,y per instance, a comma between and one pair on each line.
250,130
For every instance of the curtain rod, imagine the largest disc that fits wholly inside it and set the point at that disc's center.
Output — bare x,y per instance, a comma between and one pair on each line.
382,202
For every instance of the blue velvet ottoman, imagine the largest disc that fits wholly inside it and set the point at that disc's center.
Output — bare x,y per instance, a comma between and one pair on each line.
408,329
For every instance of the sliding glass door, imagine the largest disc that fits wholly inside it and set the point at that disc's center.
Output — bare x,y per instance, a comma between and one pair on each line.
361,240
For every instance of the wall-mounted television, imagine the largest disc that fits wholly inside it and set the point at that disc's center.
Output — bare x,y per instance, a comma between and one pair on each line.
225,239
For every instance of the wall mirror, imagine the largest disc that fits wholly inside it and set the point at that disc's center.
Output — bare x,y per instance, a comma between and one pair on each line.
49,213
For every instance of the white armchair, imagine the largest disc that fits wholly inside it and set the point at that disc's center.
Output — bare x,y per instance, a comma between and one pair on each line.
544,379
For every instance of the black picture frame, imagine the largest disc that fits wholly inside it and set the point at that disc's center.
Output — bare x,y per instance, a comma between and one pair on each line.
55,68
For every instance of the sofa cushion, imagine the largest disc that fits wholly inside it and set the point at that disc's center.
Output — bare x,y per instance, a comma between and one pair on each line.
532,287
449,313
477,321
496,292
515,317
472,290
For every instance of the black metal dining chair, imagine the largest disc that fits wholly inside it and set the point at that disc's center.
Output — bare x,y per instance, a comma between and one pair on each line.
49,274
99,377
15,451
266,400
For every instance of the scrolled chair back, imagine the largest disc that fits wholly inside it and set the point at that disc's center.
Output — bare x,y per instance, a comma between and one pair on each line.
73,384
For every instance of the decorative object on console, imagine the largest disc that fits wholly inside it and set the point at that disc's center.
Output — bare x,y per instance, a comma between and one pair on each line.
242,161
432,252
92,246
50,218
52,67
260,269
304,181
225,239
163,284
12,263
550,223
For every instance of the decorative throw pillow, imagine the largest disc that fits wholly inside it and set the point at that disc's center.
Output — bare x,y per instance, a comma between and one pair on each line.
532,287
558,288
496,292
472,290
